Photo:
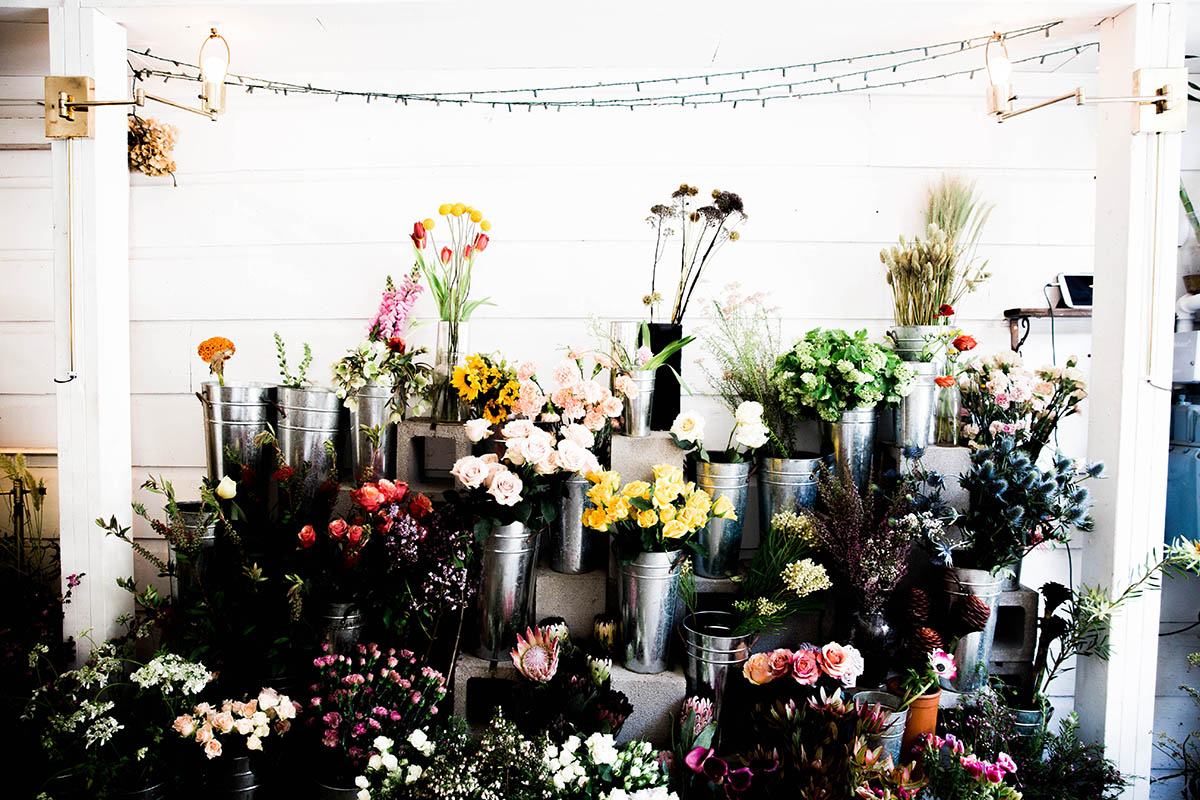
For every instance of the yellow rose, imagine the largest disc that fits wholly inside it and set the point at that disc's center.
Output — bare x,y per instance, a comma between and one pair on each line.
666,473
723,508
694,518
595,519
666,514
636,489
600,494
700,499
617,508
665,494
443,209
647,519
675,529
485,226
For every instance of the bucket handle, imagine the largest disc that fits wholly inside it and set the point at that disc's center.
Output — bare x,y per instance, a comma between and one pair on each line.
278,408
204,401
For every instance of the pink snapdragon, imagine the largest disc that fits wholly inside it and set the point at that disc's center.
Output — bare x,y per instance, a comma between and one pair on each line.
395,308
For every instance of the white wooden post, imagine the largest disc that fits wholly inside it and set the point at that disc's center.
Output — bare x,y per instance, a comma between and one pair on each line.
1137,186
91,318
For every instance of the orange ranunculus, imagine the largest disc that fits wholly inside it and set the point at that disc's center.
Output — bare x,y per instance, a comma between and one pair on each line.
945,381
964,343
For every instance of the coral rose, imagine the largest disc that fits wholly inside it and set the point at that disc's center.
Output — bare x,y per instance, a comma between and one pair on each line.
757,669
833,660
368,498
779,662
308,538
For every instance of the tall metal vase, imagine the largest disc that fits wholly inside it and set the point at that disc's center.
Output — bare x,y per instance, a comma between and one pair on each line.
722,538
916,419
574,548
911,340
188,574
786,484
648,597
372,433
714,653
974,650
341,626
638,408
234,414
851,440
451,351
507,589
308,427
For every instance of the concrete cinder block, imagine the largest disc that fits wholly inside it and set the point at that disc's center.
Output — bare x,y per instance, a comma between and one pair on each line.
653,697
575,598
949,462
635,457
1016,626
425,452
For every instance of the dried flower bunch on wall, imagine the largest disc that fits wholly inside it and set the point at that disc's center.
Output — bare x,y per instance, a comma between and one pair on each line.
152,146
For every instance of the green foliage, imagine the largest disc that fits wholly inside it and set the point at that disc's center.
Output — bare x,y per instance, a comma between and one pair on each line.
1070,769
301,377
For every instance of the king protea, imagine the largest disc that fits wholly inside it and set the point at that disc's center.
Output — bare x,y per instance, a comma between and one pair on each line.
536,655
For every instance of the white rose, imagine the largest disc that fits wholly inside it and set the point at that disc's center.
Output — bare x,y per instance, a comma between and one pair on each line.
579,434
688,427
226,489
506,488
478,429
749,411
518,429
253,743
363,794
538,449
414,773
470,471
362,782
570,457
374,762
268,699
751,435
244,726
417,739
390,762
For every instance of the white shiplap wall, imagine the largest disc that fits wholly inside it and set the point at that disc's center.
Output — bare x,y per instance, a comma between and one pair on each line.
290,212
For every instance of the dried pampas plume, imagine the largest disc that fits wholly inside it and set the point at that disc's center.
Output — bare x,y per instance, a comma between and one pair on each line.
151,146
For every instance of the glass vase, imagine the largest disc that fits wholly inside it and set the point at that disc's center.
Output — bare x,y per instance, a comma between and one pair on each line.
948,416
451,351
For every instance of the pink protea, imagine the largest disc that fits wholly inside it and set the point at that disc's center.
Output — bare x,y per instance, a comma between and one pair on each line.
536,655
703,709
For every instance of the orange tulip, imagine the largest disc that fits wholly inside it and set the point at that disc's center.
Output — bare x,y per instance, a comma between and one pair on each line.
446,255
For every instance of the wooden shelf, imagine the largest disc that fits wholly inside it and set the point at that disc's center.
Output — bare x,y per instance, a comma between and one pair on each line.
1018,318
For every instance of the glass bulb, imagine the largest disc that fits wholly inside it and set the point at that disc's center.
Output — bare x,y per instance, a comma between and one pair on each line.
214,66
999,69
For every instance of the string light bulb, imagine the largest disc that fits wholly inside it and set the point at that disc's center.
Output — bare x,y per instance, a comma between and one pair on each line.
999,71
214,67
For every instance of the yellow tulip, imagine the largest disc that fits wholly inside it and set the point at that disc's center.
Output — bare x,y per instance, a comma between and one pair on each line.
486,226
647,519
476,215
443,209
428,223
675,529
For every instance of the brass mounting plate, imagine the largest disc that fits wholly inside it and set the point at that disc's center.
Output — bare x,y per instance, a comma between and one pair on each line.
78,89
1169,115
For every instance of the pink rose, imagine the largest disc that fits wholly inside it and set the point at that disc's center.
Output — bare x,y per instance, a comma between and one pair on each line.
833,660
526,370
337,528
223,722
212,749
579,434
538,448
470,471
625,385
806,669
185,726
518,429
779,662
757,669
307,536
354,534
506,488
369,498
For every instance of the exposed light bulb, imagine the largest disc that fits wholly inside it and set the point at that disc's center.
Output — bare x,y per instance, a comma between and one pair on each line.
214,66
999,69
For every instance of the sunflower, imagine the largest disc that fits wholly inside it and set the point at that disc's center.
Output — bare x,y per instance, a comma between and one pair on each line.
509,394
459,380
494,413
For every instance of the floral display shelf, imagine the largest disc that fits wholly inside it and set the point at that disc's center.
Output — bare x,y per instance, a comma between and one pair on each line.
1018,320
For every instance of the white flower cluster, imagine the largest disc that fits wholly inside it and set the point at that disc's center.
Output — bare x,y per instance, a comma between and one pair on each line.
397,772
567,770
168,671
650,793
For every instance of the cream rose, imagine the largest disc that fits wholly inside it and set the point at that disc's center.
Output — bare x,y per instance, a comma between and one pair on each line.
688,427
478,429
570,457
506,488
518,429
579,434
212,749
538,447
757,669
748,412
470,471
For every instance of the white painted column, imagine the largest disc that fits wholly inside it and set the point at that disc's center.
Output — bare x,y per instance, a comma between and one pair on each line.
94,451
1136,219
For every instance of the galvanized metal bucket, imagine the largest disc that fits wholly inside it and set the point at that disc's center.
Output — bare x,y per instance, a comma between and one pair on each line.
507,590
638,408
722,538
714,652
916,419
308,422
1029,722
648,597
974,651
187,576
341,627
573,547
786,484
327,792
233,415
372,433
910,340
893,731
851,440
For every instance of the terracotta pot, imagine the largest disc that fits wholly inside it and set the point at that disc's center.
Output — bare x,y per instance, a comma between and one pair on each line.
922,718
